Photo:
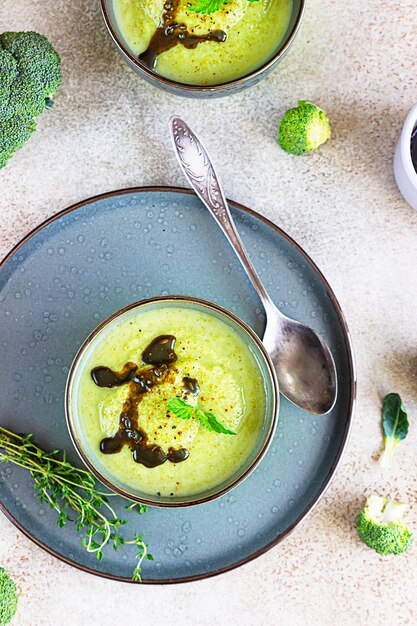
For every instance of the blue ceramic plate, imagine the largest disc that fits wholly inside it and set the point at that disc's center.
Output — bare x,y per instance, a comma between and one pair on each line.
96,257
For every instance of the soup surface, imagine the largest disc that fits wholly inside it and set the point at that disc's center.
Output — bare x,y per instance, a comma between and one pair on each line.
148,361
203,49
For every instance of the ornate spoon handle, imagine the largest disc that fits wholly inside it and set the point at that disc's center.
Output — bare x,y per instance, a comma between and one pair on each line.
198,169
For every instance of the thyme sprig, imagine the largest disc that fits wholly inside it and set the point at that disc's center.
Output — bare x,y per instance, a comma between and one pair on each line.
65,487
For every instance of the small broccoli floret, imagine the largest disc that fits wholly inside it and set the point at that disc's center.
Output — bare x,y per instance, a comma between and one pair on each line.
380,526
30,74
8,598
303,128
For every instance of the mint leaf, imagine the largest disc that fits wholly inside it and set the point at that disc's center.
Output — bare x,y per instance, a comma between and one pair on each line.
180,408
207,6
210,421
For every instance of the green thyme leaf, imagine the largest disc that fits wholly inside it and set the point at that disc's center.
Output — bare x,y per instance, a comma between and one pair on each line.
180,408
184,411
136,506
207,6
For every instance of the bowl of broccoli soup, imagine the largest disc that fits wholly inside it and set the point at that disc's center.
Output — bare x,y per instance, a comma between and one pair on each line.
172,401
202,47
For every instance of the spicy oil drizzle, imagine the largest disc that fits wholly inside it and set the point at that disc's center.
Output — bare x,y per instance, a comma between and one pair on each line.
170,33
160,354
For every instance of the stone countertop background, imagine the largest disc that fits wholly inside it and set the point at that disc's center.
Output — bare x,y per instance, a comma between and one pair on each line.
109,130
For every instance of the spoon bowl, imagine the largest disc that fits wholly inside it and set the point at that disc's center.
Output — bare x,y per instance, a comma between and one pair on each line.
305,366
303,362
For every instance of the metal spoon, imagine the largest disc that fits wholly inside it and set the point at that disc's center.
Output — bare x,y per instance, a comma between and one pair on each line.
303,362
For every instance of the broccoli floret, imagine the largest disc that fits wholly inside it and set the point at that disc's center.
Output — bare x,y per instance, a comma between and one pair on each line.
8,598
8,73
303,128
380,526
13,134
30,74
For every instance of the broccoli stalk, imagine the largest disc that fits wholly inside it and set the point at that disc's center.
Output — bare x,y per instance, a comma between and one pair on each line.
303,128
381,527
8,598
390,445
30,74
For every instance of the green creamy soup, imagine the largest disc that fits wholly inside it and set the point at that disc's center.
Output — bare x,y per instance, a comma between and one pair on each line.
146,359
203,49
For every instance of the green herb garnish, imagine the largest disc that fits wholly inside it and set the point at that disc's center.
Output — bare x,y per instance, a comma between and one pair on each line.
209,6
184,411
210,421
181,409
62,486
394,425
8,598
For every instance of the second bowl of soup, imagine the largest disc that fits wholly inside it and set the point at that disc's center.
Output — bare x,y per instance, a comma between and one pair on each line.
172,401
202,47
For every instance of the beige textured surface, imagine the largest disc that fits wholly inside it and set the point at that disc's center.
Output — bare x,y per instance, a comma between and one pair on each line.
108,130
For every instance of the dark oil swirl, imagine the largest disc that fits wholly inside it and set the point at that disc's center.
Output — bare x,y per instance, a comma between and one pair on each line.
191,385
160,355
160,350
170,33
105,377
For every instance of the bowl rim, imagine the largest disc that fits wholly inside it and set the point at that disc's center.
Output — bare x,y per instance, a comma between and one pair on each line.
192,501
125,52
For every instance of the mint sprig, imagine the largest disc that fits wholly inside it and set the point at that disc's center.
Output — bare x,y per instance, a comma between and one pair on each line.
180,408
209,6
210,421
185,411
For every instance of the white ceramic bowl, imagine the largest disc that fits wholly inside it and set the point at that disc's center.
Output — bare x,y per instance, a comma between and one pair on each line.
405,174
